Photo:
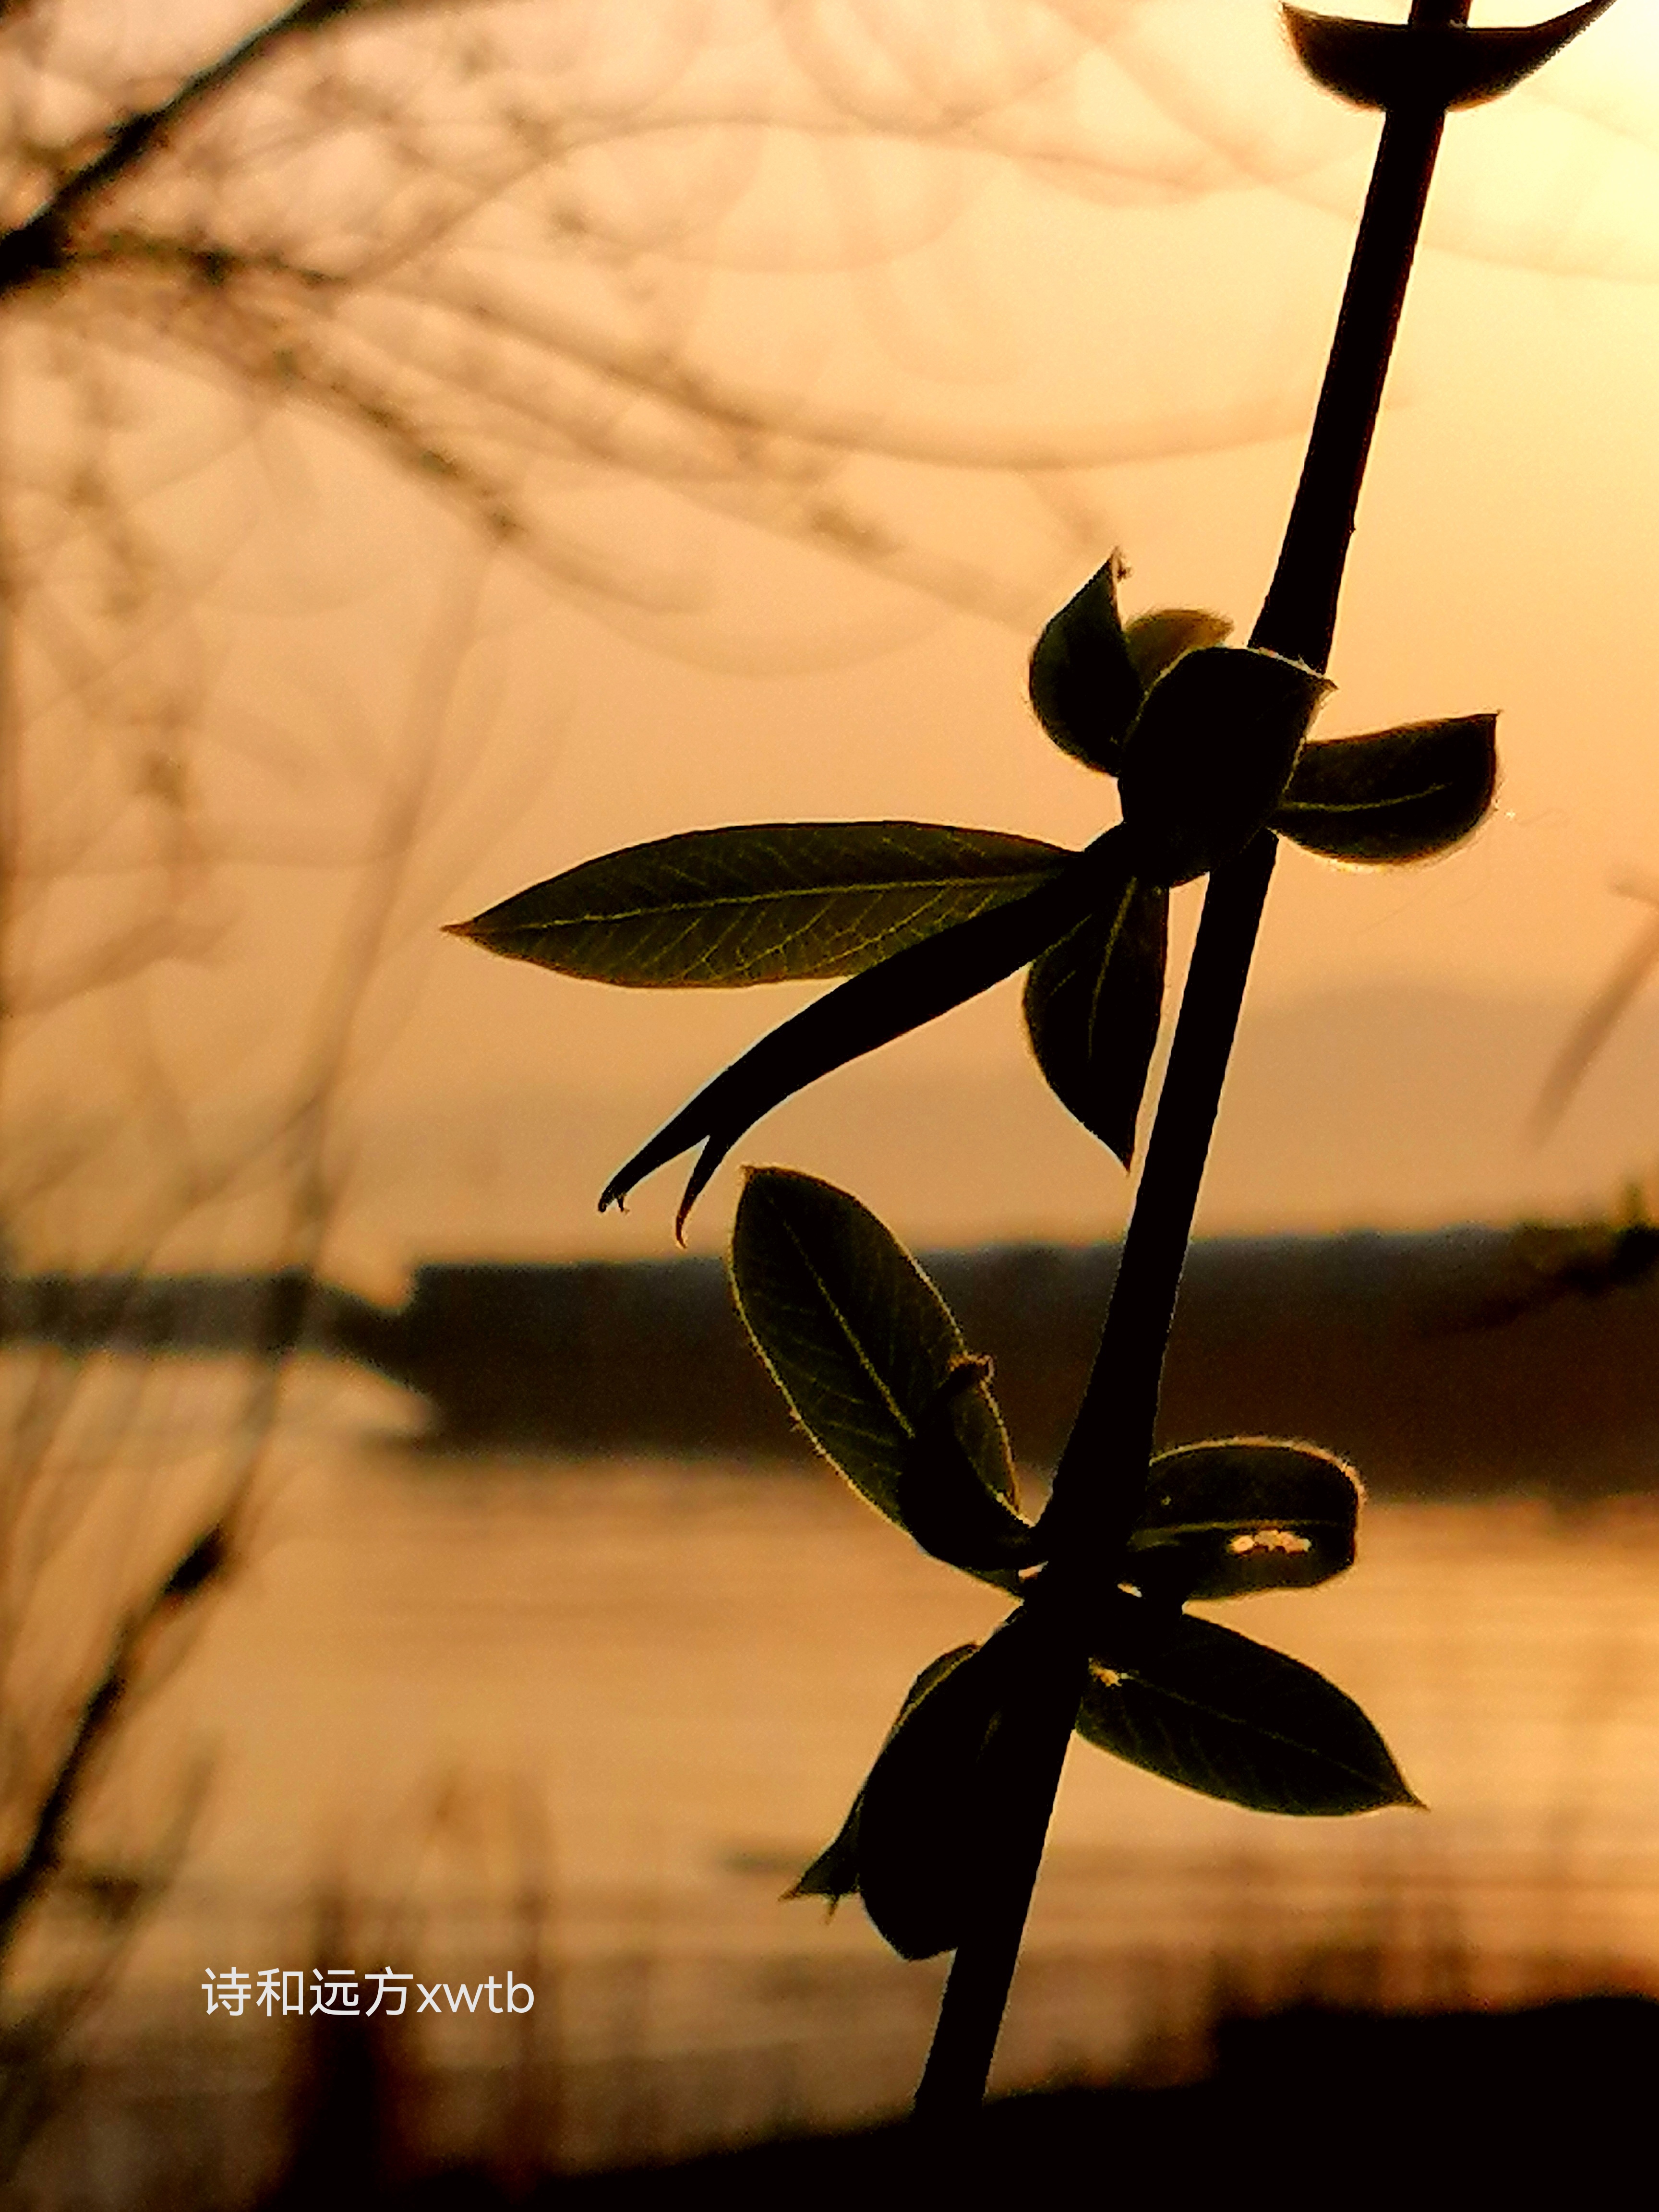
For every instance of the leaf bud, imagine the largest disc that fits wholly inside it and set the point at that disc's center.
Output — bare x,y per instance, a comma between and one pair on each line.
1209,757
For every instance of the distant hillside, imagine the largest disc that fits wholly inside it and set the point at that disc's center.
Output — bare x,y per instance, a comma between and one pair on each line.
1454,1364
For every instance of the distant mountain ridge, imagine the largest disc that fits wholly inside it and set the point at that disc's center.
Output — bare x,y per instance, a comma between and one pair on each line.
1397,1106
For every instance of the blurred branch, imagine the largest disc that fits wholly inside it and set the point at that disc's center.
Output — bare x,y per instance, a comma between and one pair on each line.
45,245
206,1560
1601,1017
454,263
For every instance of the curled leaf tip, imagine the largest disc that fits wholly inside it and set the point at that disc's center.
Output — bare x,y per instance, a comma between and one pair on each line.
619,1189
801,1889
703,1174
653,1155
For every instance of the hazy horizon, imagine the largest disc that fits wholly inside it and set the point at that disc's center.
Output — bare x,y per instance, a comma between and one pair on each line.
1389,1106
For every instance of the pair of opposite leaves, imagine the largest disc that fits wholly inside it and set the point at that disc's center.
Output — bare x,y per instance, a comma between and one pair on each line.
1207,744
875,1369
1428,65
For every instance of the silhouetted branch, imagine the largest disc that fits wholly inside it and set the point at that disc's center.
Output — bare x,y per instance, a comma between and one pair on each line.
205,1561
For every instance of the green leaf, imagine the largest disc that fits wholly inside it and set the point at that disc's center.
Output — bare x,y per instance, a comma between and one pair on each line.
1432,64
860,1343
1156,641
772,902
834,1873
1092,1006
947,1505
926,1818
912,986
1225,1519
1392,795
1084,683
1210,755
1207,1708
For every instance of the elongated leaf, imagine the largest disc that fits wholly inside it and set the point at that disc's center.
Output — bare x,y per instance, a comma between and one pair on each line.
914,987
1156,641
1084,683
1210,757
946,1502
1392,795
772,902
1251,1513
834,1873
925,1821
1092,1006
1428,65
858,1340
1230,1718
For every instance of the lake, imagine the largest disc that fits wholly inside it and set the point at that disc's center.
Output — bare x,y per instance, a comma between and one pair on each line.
584,1721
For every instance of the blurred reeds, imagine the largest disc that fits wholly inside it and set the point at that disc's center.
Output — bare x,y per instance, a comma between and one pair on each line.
654,2064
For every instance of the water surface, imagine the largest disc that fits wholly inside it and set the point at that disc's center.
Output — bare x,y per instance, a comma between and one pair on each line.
587,1719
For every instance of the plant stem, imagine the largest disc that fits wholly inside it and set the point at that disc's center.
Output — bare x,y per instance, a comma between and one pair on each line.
1023,1761
1298,615
1101,1477
1103,1468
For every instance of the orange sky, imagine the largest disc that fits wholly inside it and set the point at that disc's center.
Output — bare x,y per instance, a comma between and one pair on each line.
1504,559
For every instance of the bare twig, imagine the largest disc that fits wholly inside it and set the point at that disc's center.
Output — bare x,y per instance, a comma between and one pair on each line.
1606,1009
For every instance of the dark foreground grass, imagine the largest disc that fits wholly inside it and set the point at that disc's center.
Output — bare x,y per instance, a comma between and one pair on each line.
1554,2102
